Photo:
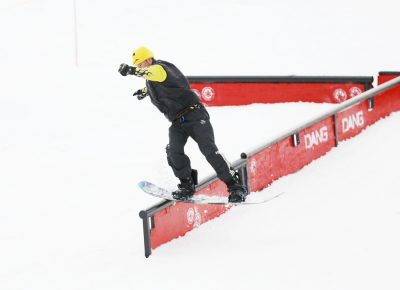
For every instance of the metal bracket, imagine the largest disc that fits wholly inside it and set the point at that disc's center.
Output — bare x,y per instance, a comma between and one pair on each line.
371,104
148,224
243,172
335,130
296,139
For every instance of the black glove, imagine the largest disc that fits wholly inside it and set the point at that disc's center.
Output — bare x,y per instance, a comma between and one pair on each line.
141,94
125,69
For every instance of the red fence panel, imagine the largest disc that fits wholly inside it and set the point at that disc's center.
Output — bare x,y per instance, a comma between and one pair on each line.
177,220
352,121
284,157
393,94
230,91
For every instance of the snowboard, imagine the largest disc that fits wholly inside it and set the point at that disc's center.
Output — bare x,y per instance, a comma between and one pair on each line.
157,191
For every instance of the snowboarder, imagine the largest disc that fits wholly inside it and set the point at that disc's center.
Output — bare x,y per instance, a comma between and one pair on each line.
169,91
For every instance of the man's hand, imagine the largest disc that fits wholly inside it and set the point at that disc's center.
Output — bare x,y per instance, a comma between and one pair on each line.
125,69
141,94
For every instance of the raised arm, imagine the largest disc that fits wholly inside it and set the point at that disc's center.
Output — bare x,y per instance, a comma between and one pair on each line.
154,73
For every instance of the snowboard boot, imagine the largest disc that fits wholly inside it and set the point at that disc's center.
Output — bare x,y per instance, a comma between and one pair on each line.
237,191
186,188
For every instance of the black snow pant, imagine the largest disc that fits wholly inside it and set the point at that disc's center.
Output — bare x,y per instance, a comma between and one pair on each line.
195,124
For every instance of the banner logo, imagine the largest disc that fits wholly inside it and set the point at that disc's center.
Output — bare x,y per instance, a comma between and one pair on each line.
207,93
253,166
354,91
353,121
340,95
316,137
193,217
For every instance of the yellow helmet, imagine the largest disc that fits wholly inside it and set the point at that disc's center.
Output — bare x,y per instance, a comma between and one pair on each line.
140,54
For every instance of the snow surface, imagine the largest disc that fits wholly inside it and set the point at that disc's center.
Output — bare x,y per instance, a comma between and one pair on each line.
74,143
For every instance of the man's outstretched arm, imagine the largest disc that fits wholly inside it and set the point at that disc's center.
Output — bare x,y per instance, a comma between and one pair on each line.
154,73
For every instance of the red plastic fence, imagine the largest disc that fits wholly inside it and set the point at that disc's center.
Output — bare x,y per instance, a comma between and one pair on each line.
278,160
177,220
284,158
391,97
225,91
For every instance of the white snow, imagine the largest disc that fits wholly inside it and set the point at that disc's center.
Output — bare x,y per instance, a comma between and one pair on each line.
74,143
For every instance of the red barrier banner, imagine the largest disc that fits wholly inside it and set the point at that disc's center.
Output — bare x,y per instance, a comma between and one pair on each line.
266,90
352,121
392,94
175,221
284,157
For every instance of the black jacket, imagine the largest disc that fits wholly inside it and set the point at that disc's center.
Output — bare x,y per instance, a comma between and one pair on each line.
173,95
